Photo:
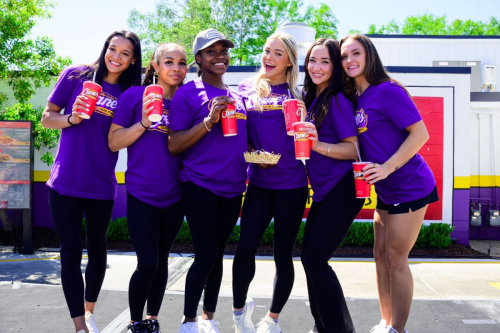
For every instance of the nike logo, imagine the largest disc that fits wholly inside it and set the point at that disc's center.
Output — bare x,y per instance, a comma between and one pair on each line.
396,205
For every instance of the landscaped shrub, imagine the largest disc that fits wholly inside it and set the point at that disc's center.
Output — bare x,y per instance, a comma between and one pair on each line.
436,235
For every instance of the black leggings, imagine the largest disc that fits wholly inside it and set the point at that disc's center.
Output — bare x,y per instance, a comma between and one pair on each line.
327,225
153,231
287,207
67,214
211,219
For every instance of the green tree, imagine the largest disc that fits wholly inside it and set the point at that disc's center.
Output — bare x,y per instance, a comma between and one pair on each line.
247,22
322,20
26,65
430,24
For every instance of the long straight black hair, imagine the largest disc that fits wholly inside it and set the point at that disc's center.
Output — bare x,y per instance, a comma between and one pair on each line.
334,87
130,77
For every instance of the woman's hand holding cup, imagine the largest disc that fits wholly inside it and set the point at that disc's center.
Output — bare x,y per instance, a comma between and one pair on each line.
313,135
219,105
146,109
79,107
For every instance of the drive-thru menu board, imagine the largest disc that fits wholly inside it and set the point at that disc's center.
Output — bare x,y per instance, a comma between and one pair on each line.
15,165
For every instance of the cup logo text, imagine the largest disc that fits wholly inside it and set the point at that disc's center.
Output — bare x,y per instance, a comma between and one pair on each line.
90,92
229,114
358,174
301,136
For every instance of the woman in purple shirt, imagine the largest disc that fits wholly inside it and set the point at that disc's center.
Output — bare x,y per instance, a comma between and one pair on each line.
278,190
82,179
391,132
213,172
154,207
333,134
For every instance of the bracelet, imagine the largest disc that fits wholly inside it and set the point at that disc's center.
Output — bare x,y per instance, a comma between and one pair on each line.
69,122
205,123
143,124
328,151
208,118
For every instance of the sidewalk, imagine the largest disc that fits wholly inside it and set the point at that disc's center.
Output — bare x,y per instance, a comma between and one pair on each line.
450,290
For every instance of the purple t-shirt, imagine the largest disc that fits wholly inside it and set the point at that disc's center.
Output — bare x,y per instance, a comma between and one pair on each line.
383,113
152,173
325,172
215,162
84,166
266,130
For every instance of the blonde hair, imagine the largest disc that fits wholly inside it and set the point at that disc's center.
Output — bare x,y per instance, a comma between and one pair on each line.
262,84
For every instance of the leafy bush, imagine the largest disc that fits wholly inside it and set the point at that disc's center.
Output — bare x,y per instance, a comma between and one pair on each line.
118,230
435,235
359,234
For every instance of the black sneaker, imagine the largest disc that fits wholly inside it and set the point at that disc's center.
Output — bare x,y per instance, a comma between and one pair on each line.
152,326
137,327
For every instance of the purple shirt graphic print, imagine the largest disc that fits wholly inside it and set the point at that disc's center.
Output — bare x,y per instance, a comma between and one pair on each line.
266,130
84,166
339,123
384,111
152,172
214,162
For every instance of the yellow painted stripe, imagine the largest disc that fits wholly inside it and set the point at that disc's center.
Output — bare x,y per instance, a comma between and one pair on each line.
495,284
43,176
484,181
120,177
460,182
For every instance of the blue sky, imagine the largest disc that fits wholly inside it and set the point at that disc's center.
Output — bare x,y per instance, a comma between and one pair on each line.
68,34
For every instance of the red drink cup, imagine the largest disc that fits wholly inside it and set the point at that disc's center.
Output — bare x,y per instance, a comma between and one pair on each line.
292,114
362,187
4,204
156,114
228,119
92,91
302,142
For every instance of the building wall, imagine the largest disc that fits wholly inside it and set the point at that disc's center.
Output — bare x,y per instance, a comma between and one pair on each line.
451,152
422,51
485,164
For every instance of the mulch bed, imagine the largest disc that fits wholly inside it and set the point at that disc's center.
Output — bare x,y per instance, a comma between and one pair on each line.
47,238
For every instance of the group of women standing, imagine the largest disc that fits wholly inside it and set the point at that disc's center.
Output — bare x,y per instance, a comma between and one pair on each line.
183,165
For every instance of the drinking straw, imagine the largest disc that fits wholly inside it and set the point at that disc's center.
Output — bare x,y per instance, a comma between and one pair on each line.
357,149
154,79
93,79
289,95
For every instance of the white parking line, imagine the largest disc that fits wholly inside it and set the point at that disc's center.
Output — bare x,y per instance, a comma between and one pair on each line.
119,323
479,321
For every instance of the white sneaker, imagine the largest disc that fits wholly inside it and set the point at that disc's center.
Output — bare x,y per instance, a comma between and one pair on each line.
380,328
314,330
208,326
243,323
268,325
189,327
90,322
390,329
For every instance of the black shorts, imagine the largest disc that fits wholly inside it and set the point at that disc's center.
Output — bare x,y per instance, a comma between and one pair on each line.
405,207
